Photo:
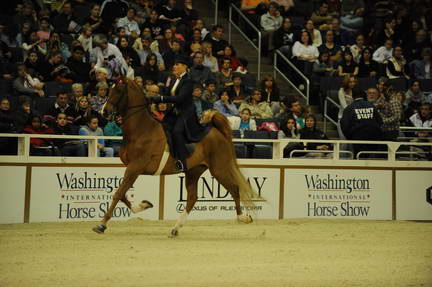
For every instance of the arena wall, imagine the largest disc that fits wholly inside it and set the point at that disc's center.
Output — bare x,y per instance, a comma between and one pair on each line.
45,190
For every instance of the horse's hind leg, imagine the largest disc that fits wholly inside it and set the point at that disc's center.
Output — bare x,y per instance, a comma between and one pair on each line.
192,177
224,177
128,180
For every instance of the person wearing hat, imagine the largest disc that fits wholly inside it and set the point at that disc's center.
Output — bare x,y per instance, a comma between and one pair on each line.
179,93
80,70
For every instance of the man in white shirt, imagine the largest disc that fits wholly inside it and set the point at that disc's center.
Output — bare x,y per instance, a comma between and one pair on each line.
128,22
108,56
384,53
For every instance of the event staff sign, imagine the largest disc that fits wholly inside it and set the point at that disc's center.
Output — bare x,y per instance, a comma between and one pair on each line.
331,193
12,194
84,194
413,195
215,202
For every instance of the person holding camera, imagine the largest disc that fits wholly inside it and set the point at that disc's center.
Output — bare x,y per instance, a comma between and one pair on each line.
108,56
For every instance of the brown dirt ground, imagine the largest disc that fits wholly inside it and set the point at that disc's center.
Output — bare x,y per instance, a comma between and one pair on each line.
218,253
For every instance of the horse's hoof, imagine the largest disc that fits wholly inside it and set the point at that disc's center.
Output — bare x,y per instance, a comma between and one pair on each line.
245,219
145,204
99,229
174,233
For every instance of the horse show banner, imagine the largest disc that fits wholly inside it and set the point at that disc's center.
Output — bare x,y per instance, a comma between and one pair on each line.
331,193
215,202
12,194
84,194
413,195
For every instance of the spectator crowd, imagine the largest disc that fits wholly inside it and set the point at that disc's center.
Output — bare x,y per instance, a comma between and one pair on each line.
58,60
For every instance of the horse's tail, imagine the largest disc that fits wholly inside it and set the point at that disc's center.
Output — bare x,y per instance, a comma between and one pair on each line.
247,194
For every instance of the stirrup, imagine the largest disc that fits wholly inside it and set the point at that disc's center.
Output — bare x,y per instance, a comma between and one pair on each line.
179,165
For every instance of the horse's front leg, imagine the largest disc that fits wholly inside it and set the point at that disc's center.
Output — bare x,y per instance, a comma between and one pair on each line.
128,180
192,177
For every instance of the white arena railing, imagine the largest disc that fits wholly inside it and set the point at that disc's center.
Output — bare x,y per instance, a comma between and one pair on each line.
339,155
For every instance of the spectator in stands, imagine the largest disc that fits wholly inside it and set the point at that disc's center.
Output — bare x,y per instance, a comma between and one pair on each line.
169,13
315,34
139,81
27,85
199,24
414,48
170,56
225,106
86,39
259,109
114,129
164,44
120,32
155,24
388,33
230,53
288,130
33,64
24,113
270,22
283,38
108,56
244,122
128,52
55,44
351,25
8,146
195,43
358,47
367,66
311,132
390,110
83,111
330,47
51,68
77,92
40,146
67,147
159,111
321,16
423,118
131,26
101,97
224,76
60,105
150,70
345,92
396,66
92,129
94,20
142,47
421,69
189,15
372,95
293,109
200,73
384,53
80,70
201,105
44,29
414,97
237,92
361,121
177,35
27,15
112,10
218,44
33,43
210,61
270,93
304,53
65,22
323,67
209,94
348,67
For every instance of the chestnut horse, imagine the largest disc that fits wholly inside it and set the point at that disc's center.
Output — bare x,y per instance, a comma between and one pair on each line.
144,152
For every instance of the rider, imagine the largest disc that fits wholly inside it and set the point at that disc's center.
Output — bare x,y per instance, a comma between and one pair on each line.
180,94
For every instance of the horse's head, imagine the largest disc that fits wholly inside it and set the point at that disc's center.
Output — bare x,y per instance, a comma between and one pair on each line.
124,94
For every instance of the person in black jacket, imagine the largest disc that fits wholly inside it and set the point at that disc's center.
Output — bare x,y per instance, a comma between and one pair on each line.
67,147
80,71
311,132
180,94
361,121
8,146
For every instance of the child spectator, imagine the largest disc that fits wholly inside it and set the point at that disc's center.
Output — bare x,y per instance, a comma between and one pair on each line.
114,129
40,146
209,93
67,147
92,129
244,122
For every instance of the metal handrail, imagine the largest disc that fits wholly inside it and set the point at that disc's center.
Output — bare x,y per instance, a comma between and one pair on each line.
276,69
320,151
326,116
231,22
403,128
216,4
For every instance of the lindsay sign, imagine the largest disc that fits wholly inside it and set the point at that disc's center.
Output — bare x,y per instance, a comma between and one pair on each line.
215,202
85,193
